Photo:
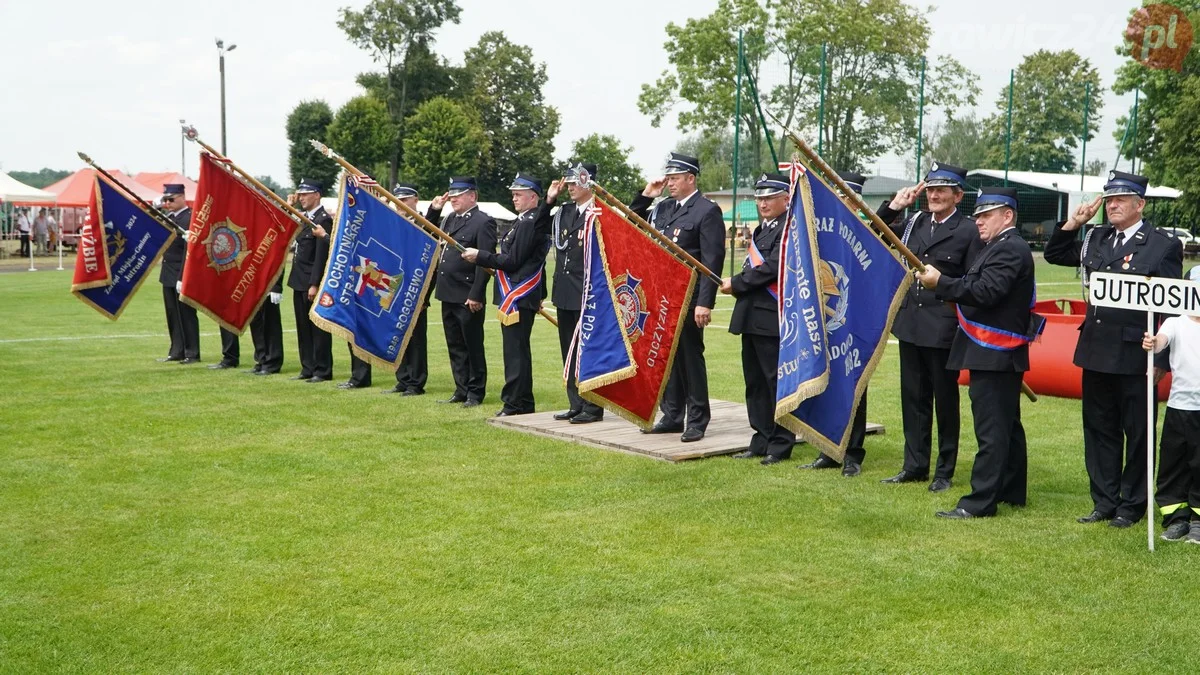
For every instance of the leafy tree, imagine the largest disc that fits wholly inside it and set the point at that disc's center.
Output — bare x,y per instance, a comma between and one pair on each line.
1047,118
444,139
874,50
40,179
959,141
501,81
363,133
1167,105
309,120
392,31
1096,167
617,175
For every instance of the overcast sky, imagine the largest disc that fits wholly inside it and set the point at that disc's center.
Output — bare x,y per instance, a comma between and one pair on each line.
113,79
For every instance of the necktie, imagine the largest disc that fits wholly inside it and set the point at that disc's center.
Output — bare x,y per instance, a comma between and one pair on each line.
1120,241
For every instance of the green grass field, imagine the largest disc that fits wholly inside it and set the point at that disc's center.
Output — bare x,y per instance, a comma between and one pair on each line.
160,518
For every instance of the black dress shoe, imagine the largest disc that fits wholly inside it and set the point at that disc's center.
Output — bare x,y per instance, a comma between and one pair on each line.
692,435
264,373
906,477
301,376
957,514
222,365
851,468
413,392
168,359
471,403
1093,517
314,379
770,459
746,454
253,371
664,428
395,390
563,416
351,385
586,418
939,485
188,362
1121,522
821,462
455,399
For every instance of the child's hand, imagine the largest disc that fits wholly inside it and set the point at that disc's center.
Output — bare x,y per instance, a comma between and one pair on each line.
1148,342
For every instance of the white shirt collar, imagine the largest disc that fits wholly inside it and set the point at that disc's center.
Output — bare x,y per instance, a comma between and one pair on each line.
1131,230
686,199
935,221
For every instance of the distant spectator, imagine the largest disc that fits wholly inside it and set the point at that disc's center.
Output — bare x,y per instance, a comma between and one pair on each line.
52,228
40,232
23,228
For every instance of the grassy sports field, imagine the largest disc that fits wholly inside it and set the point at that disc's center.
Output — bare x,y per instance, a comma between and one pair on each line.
166,518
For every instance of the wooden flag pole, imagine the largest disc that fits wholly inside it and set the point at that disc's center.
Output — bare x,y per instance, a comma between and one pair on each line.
150,209
379,191
604,196
189,132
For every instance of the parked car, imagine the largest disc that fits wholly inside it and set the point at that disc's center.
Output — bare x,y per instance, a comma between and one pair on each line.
1181,234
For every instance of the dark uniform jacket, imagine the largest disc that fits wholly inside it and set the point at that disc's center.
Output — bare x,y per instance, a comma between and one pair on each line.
923,319
756,310
175,255
308,264
698,227
522,252
567,235
1110,340
457,279
997,291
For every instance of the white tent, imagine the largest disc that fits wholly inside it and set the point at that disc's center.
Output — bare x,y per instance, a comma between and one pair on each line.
1067,183
13,190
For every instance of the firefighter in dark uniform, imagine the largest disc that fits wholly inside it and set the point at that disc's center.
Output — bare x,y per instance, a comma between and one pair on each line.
855,451
414,367
695,223
520,262
182,324
308,266
1110,344
996,323
231,351
266,331
360,372
756,319
567,294
462,290
925,325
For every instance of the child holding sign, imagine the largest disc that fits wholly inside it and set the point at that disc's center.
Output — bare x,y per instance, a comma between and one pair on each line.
1178,492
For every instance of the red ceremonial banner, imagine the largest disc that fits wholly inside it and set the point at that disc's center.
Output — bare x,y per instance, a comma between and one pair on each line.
652,289
91,256
237,243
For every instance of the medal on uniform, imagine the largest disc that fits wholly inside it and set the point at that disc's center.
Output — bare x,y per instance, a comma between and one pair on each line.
1125,265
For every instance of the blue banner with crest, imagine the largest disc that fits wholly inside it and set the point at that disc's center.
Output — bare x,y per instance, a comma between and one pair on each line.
379,271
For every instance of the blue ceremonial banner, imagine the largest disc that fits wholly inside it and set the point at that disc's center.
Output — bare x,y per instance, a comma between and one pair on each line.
605,355
119,244
803,353
380,268
862,283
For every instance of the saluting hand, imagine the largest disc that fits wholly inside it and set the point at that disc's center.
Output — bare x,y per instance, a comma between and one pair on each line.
554,190
1084,214
655,187
292,198
439,201
907,197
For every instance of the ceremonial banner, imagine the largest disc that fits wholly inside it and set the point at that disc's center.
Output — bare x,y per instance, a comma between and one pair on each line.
623,367
380,268
860,284
237,243
119,244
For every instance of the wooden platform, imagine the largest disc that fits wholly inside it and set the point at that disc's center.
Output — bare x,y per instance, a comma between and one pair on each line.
728,432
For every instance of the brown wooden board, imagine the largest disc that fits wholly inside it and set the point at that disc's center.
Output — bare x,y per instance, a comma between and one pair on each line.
728,432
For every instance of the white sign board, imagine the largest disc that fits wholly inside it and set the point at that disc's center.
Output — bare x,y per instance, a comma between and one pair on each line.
1146,294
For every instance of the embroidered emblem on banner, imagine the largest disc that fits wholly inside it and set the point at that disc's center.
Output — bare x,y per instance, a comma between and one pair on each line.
631,303
835,285
381,284
226,246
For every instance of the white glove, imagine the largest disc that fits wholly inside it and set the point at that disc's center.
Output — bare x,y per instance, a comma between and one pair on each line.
178,286
276,298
